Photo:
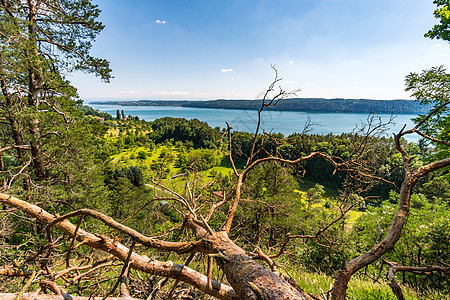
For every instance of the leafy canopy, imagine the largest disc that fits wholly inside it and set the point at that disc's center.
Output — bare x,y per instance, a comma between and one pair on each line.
432,86
442,13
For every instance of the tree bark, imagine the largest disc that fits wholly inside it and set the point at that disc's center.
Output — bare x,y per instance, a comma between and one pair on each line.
35,80
35,296
249,279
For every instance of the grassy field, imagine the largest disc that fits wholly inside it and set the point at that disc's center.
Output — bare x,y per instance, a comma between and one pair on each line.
134,157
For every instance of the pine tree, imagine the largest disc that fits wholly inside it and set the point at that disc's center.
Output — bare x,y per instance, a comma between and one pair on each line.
40,42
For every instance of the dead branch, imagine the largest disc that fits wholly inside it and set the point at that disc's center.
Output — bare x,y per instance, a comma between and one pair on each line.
230,149
147,203
267,259
394,267
27,284
17,174
123,273
318,232
35,296
73,241
14,272
148,241
92,268
177,196
23,147
138,262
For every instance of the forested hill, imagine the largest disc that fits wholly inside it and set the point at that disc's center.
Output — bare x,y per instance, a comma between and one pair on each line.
294,104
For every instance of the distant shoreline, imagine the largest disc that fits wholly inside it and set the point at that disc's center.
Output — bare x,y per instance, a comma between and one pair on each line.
294,104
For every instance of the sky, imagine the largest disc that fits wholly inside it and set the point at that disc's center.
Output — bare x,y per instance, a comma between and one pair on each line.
212,49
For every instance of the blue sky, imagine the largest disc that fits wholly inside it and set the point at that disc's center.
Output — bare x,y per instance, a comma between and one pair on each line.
211,49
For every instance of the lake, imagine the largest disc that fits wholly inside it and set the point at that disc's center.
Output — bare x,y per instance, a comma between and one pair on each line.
285,122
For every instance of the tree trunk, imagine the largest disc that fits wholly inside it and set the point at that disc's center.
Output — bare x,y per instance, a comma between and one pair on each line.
249,279
35,81
387,244
35,296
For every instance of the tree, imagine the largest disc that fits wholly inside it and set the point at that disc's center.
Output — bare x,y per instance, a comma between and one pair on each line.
431,86
41,41
442,13
210,218
411,177
315,193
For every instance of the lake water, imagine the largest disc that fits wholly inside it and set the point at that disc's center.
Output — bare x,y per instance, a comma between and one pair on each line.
285,122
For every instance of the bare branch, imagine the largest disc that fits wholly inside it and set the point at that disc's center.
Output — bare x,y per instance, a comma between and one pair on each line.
124,269
394,267
148,241
230,150
24,147
17,174
138,262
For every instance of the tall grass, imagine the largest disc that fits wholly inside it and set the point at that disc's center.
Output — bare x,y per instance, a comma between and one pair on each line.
359,289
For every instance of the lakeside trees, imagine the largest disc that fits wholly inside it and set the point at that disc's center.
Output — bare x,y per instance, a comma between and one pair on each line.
294,104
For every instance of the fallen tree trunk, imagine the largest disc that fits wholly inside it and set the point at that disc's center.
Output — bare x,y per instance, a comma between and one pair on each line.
249,279
35,296
138,262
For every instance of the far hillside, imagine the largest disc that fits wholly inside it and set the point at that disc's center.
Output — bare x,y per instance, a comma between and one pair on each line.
293,104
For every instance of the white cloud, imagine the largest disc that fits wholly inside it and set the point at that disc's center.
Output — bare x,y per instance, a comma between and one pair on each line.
160,21
290,82
226,70
291,62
